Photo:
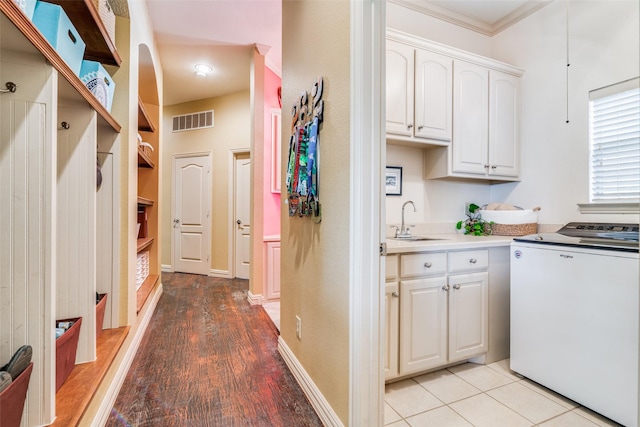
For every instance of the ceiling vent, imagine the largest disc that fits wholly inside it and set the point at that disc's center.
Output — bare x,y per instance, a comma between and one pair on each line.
201,120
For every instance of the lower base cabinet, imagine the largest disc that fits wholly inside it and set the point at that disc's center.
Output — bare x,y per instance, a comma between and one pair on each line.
435,320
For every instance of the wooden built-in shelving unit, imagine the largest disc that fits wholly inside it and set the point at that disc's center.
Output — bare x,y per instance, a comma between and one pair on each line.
87,21
144,243
144,120
21,35
145,290
33,35
148,189
76,393
145,202
144,161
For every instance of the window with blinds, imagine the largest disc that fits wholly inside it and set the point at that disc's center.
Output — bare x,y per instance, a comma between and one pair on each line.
614,134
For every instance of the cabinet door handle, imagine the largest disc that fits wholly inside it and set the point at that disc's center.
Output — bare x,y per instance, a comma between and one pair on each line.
427,264
409,126
493,166
395,294
456,286
445,288
473,260
420,127
486,166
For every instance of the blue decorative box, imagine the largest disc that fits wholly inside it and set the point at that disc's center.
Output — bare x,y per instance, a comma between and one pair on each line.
99,82
27,6
56,27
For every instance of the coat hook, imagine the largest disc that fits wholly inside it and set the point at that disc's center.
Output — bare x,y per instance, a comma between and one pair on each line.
65,125
10,87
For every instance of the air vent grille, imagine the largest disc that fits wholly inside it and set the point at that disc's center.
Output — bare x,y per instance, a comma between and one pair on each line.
200,120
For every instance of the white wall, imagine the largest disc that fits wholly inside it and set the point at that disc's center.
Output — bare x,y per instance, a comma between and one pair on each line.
603,49
554,156
436,201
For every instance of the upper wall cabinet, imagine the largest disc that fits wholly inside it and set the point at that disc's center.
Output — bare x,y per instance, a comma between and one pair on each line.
486,118
463,107
419,87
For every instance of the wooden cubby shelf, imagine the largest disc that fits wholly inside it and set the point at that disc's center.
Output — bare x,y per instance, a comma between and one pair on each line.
145,290
144,161
144,121
76,393
145,202
87,21
33,35
144,243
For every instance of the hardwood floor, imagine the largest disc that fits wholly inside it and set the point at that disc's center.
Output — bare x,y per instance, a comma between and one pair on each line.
208,358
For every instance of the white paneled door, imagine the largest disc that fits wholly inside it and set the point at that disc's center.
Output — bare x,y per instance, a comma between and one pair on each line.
242,195
192,213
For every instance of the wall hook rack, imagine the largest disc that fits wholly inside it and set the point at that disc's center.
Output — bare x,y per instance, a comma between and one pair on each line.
10,87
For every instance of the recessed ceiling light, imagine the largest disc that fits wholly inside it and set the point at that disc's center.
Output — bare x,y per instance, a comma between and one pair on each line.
202,70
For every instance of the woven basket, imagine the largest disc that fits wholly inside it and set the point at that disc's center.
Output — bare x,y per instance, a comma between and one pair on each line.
511,229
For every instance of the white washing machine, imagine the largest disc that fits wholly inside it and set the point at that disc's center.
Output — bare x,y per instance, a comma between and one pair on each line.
575,315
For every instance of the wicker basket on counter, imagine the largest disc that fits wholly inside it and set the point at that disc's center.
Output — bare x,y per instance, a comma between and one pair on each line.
518,222
511,229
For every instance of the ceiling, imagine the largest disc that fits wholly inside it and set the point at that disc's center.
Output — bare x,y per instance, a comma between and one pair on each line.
223,34
219,33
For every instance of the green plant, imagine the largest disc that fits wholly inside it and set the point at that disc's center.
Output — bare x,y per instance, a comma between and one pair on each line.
474,224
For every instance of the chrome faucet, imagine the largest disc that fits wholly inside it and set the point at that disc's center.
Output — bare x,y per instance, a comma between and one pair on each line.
404,230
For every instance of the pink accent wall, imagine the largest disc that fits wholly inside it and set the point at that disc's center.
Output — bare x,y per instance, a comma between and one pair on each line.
271,200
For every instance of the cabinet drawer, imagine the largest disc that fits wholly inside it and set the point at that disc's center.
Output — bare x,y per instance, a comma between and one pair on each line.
423,264
391,267
468,260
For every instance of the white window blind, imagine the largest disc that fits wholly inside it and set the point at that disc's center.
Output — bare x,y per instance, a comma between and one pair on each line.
615,142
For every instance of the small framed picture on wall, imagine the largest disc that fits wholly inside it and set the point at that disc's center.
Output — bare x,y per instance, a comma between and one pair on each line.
393,181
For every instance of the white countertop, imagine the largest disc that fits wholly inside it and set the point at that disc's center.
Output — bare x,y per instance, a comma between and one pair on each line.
446,242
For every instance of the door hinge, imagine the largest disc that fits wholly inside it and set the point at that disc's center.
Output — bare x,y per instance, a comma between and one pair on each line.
383,249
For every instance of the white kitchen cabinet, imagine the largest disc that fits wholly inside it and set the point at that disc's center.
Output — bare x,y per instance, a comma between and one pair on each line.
471,111
392,306
443,310
400,64
486,111
423,324
504,124
418,95
464,109
468,315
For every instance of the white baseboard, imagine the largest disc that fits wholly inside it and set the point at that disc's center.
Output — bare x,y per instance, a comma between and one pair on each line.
225,274
325,412
256,299
166,268
114,388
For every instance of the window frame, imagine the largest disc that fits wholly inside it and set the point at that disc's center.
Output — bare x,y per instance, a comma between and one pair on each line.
607,205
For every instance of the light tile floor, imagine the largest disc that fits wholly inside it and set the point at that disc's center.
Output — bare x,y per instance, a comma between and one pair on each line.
481,395
273,310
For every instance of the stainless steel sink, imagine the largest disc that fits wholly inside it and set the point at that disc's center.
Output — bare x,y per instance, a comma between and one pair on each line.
415,238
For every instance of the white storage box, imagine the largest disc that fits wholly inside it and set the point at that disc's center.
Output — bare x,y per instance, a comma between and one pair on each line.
142,268
99,82
56,27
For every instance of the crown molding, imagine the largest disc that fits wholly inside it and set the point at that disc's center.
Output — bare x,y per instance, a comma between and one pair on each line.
460,19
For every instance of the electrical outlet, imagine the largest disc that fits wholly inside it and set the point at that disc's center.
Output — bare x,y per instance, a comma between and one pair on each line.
298,327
